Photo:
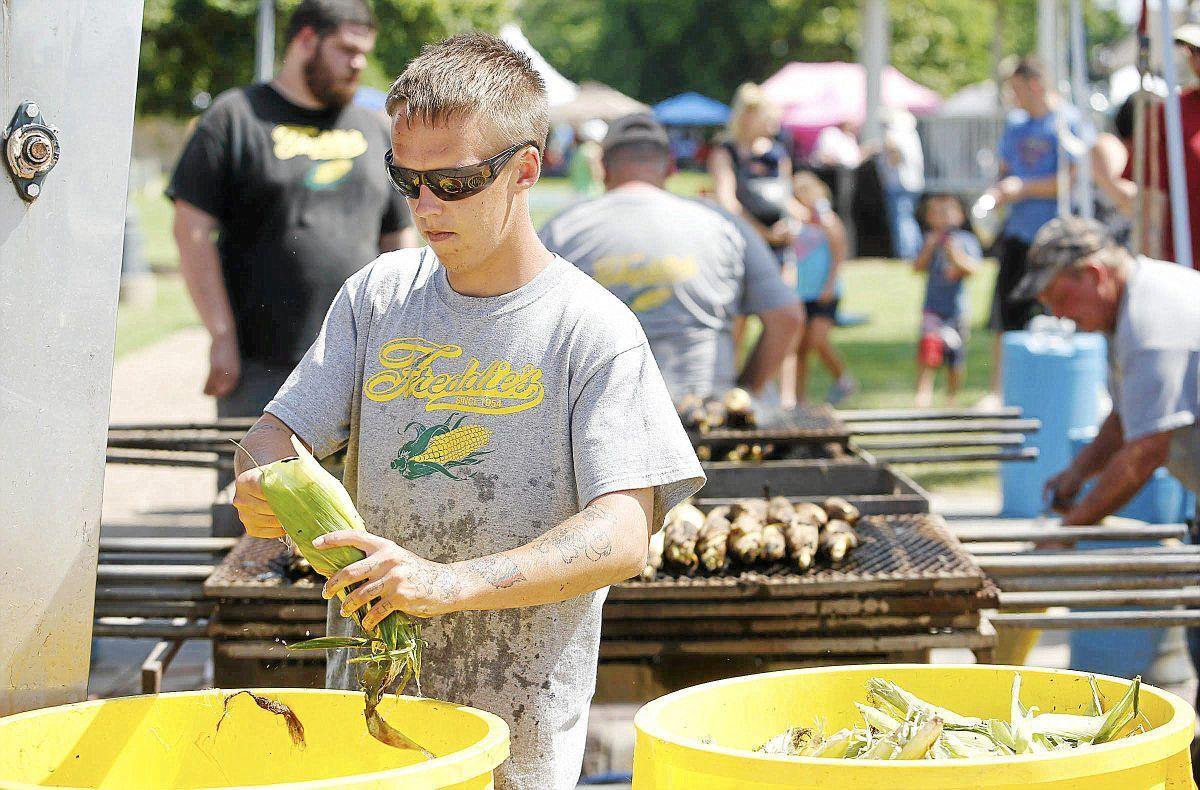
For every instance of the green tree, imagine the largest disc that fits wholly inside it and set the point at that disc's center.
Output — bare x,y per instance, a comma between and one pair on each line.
194,46
652,49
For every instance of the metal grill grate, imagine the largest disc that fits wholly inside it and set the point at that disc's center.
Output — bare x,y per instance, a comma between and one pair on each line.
805,424
254,569
904,553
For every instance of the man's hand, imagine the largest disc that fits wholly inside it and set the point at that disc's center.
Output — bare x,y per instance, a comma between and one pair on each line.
1007,190
828,294
401,580
224,367
252,506
779,234
1062,489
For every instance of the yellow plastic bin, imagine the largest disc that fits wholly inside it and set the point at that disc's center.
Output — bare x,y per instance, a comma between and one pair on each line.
171,742
701,738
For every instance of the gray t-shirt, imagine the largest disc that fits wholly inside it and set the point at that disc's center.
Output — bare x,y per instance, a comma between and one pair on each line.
683,268
557,400
1155,361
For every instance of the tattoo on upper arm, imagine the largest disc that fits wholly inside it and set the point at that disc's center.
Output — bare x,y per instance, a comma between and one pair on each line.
267,427
587,535
497,570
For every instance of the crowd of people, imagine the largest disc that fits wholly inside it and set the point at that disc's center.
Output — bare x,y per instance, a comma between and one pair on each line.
565,347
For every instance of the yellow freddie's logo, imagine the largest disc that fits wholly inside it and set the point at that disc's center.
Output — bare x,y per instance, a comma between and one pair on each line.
410,371
650,282
318,145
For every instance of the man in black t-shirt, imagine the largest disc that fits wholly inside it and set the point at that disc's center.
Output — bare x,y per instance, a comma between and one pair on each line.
289,176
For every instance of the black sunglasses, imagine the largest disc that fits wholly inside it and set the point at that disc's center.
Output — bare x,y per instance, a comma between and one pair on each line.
454,183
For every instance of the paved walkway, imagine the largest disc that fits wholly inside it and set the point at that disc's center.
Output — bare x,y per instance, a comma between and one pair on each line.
160,383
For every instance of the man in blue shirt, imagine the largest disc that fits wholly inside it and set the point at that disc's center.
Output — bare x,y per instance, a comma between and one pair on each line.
1029,151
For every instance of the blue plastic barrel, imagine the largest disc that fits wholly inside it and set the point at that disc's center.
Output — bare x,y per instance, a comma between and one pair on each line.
1126,652
1058,379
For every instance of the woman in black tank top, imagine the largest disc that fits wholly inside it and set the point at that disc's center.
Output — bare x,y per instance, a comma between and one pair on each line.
752,173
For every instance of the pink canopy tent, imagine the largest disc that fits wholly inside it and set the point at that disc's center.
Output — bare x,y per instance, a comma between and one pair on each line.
816,95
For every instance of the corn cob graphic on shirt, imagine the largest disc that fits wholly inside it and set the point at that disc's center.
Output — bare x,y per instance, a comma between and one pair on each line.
442,447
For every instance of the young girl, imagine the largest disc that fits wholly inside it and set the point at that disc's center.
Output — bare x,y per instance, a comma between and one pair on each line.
950,255
820,247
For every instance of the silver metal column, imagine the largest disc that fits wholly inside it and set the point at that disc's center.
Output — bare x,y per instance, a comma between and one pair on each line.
60,258
874,56
264,49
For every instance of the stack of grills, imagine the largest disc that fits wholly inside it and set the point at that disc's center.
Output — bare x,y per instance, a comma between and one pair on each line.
259,607
909,586
906,589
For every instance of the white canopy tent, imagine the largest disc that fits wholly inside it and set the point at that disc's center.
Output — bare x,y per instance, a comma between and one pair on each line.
559,89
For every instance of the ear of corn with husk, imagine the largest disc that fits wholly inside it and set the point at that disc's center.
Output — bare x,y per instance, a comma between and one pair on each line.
837,539
774,544
310,502
802,541
682,532
714,540
901,726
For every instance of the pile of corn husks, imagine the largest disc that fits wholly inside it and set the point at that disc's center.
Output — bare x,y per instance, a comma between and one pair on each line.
901,726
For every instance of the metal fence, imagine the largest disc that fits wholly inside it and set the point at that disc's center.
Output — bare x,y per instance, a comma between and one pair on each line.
960,152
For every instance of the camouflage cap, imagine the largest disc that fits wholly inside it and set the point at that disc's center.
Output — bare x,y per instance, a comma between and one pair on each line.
1057,247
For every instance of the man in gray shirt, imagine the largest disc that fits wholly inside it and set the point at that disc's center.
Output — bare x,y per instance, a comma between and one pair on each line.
685,269
510,443
1150,311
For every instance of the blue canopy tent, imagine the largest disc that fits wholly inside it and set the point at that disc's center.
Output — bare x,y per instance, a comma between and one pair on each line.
691,109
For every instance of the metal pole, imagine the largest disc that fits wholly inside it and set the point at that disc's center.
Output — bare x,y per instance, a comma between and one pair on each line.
1046,39
1181,231
874,57
264,50
1079,92
1062,72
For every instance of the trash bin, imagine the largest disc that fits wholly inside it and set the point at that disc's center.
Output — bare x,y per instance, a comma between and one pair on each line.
1057,377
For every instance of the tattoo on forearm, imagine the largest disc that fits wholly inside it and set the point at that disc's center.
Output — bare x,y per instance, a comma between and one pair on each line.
441,583
497,570
587,535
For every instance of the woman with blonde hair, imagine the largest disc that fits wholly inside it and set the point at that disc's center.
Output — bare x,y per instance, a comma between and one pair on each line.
751,170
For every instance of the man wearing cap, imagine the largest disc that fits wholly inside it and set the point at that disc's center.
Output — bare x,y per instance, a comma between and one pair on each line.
1150,311
1188,37
684,267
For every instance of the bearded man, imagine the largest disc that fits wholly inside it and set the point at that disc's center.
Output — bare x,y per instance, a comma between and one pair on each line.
279,197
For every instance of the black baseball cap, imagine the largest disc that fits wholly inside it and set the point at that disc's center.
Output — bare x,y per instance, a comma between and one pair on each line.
637,128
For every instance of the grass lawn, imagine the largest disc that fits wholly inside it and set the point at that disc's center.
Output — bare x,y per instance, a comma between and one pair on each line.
880,353
172,310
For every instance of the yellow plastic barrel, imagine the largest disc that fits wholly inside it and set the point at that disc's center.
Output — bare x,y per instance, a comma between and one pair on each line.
701,738
171,742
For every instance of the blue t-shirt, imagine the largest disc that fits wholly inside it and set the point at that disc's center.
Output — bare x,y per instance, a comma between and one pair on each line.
1029,149
945,297
814,259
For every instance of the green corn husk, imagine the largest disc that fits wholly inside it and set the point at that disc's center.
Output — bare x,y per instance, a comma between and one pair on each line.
905,704
836,745
877,719
901,726
310,502
1121,715
921,740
